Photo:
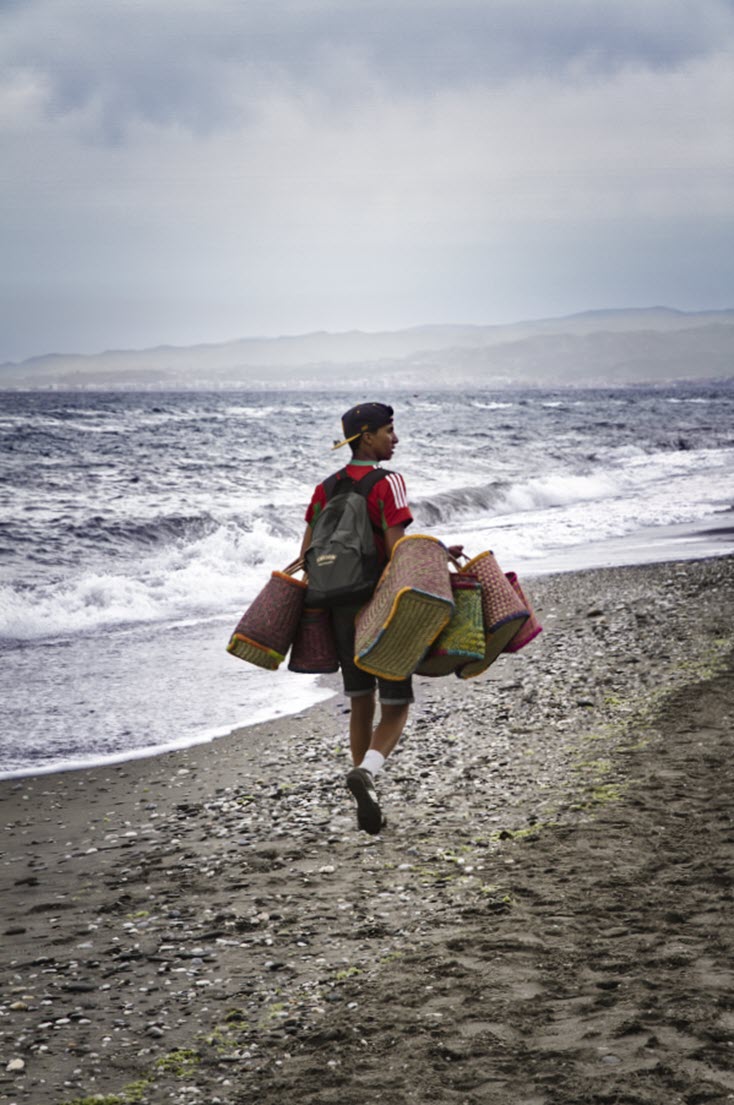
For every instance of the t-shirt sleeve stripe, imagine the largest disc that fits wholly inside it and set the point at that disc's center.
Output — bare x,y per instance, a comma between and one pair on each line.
397,486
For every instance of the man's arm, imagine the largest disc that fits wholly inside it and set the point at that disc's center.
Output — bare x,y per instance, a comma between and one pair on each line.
392,536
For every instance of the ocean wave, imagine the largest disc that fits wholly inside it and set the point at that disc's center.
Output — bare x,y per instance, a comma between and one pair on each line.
61,540
161,523
697,399
50,425
557,490
220,571
679,460
503,497
634,482
455,503
99,529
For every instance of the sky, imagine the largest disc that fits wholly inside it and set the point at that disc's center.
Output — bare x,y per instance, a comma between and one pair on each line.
180,171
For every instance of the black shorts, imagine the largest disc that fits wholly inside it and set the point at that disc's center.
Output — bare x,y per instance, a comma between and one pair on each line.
356,681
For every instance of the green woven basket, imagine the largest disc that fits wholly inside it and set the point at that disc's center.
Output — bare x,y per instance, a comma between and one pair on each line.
314,649
462,640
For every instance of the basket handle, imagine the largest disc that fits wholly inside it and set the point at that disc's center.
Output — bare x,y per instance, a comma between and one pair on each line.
296,566
455,559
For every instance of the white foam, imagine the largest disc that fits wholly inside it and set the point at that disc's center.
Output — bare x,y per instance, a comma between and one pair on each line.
557,490
221,571
531,534
689,399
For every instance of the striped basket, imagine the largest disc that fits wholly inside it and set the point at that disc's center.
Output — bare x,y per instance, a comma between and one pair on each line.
463,638
412,604
314,649
503,610
268,627
532,626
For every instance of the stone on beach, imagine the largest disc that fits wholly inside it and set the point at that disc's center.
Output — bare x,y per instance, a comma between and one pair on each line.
218,924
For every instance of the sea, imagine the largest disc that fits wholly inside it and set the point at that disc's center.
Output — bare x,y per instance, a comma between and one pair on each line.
136,528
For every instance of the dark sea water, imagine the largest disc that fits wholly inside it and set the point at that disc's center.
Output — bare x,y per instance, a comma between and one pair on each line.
136,527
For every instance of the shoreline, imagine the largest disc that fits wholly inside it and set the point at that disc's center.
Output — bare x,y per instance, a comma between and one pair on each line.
210,920
153,752
652,547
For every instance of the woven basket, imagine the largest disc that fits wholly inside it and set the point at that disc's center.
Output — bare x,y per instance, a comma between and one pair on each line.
268,627
412,604
463,638
532,627
503,610
314,649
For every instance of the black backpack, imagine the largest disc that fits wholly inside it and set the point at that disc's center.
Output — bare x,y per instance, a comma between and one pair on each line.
341,562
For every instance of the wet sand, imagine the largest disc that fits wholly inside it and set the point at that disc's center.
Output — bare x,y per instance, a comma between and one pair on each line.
546,919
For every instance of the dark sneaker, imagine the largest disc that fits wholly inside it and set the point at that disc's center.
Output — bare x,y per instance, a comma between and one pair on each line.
362,786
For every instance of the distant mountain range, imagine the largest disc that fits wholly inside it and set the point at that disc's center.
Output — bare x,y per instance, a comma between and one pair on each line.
597,348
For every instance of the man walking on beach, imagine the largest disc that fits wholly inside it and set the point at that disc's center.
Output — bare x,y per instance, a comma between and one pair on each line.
370,433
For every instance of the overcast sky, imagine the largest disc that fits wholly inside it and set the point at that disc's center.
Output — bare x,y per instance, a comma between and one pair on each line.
178,171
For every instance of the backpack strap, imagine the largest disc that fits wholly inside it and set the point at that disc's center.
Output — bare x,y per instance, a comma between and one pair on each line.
363,486
331,485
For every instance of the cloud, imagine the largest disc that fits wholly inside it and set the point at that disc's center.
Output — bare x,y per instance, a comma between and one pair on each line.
176,171
637,141
211,66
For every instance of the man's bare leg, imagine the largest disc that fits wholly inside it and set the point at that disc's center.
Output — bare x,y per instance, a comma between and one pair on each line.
390,728
360,725
370,754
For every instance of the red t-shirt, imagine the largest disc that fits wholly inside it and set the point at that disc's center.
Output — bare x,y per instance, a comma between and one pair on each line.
387,503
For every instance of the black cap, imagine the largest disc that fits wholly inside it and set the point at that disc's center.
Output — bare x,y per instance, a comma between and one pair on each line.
362,419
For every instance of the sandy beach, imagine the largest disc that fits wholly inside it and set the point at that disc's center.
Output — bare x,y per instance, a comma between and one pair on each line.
546,920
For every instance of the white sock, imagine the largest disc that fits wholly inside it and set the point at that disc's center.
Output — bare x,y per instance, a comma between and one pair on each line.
373,761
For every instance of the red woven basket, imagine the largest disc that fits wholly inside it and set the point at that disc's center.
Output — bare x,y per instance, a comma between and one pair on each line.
532,627
314,649
268,627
